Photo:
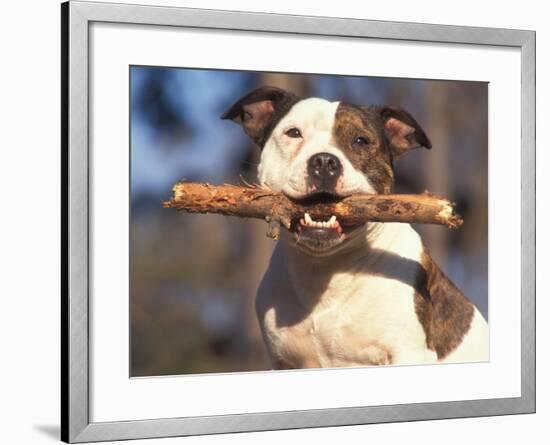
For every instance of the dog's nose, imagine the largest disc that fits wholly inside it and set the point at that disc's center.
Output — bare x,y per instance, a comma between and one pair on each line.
323,171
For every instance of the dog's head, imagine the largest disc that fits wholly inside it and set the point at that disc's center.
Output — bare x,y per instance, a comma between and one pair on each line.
313,149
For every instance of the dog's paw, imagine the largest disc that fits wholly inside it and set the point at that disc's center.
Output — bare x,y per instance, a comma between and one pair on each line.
375,354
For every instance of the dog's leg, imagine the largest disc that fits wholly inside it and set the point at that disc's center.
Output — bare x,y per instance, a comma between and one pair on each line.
375,354
414,356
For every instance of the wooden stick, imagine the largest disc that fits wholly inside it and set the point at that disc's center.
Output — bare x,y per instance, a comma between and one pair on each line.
276,208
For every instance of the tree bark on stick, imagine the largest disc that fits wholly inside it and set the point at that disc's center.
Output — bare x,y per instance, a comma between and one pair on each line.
276,208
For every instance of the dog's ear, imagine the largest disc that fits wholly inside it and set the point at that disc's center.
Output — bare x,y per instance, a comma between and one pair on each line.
259,111
402,130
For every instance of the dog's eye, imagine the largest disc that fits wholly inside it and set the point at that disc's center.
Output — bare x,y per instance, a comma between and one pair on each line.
293,133
360,141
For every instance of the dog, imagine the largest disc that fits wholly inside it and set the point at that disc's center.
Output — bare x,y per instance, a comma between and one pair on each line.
336,295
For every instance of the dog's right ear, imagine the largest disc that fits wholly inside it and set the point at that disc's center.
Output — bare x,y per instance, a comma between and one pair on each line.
259,111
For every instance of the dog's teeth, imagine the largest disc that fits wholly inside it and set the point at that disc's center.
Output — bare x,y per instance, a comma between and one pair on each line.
332,222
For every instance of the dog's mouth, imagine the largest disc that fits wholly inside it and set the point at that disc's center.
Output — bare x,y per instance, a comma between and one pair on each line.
320,234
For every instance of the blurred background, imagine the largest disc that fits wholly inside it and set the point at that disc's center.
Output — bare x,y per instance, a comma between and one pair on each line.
193,278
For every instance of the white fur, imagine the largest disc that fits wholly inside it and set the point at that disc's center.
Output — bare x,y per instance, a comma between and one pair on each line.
283,165
365,313
362,317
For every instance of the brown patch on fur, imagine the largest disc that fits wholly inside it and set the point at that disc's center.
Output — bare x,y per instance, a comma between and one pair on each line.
443,310
374,159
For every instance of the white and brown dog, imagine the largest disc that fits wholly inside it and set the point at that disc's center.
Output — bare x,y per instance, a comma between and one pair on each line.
336,295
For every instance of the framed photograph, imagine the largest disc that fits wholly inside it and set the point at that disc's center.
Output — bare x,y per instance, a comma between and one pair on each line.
391,166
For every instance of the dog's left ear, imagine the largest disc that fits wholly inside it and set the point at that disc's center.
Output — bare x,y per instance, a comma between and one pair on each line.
259,111
402,130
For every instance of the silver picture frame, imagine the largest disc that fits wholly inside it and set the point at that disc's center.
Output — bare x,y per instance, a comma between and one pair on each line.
75,395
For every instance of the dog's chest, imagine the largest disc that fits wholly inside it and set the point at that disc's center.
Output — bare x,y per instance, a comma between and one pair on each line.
362,321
